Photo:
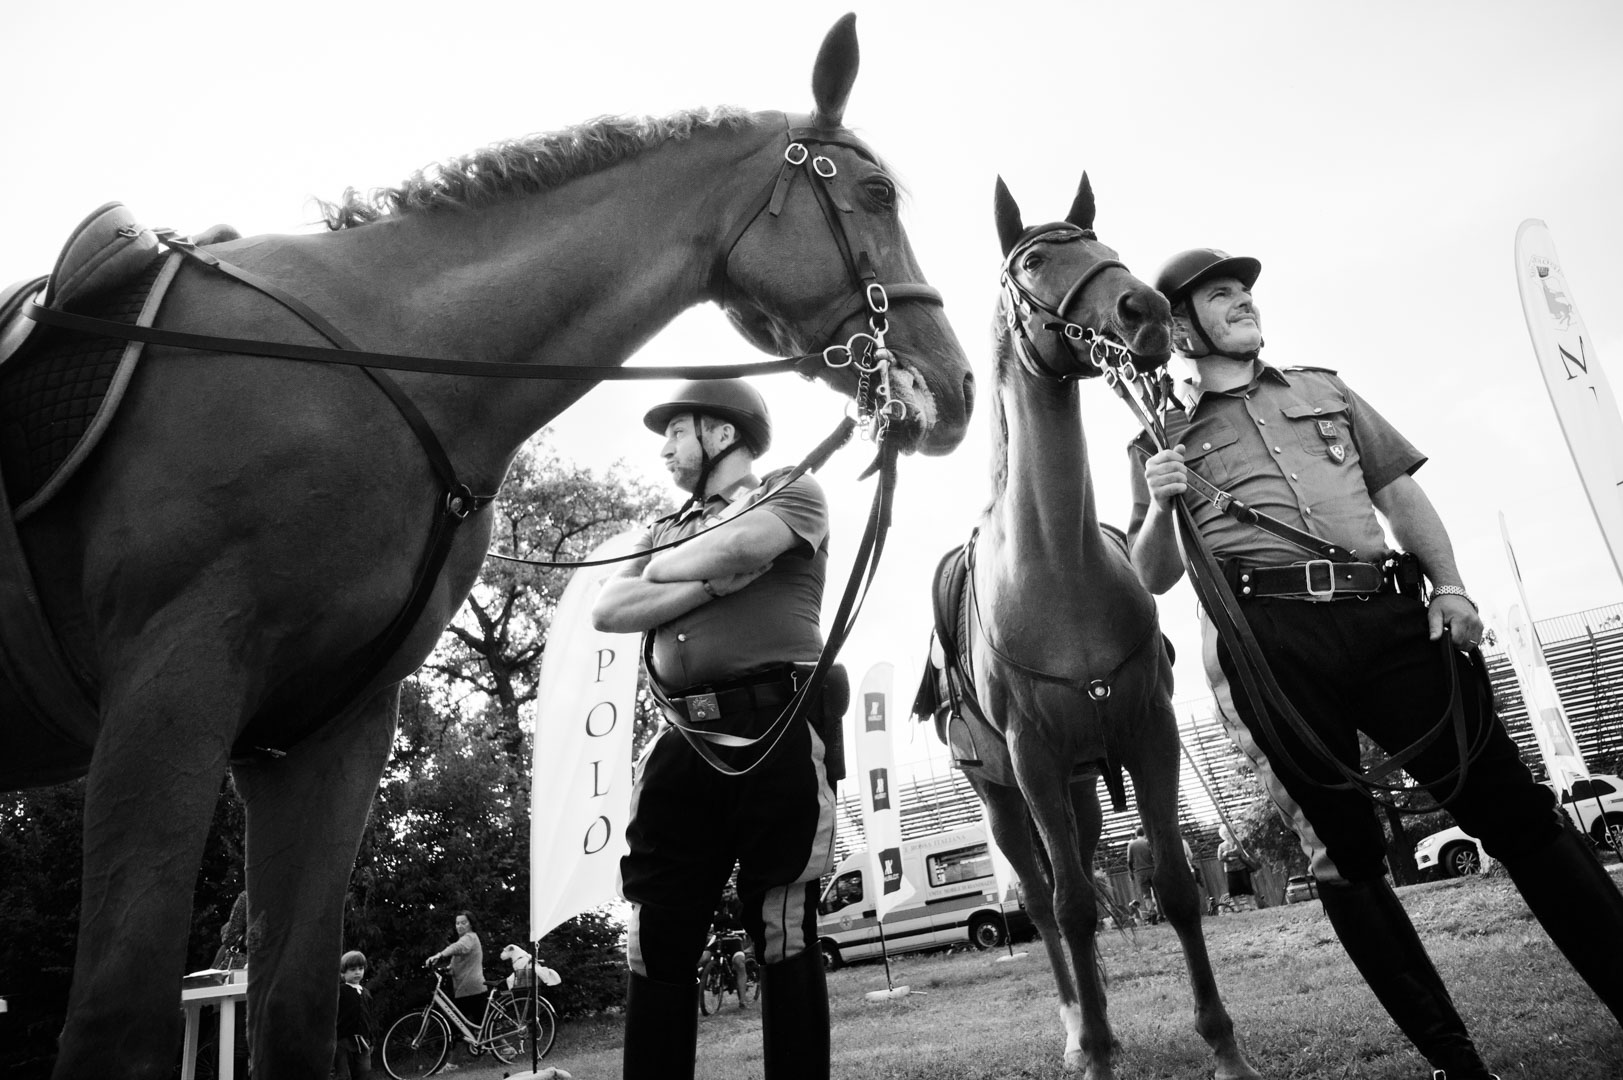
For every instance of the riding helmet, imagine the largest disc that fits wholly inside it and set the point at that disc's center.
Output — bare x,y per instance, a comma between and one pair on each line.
1181,273
731,400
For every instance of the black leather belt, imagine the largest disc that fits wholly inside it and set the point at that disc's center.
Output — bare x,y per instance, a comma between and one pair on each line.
1319,579
766,690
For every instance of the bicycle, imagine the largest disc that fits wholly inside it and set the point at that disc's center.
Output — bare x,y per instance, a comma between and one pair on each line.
718,978
419,1043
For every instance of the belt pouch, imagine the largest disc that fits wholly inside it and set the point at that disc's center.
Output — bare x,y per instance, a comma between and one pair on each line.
831,721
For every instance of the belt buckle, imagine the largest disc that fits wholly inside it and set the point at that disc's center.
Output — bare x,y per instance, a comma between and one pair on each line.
1329,590
703,707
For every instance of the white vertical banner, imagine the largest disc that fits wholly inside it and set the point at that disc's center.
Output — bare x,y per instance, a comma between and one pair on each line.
881,804
1579,389
1557,745
580,786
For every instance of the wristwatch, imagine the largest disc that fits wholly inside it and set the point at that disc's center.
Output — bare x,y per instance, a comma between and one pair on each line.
1454,590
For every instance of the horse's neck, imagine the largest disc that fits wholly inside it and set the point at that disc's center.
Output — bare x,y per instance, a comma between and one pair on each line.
1045,505
1050,563
582,274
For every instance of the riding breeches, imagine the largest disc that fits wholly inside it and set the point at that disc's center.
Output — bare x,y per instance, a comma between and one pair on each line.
690,824
1367,665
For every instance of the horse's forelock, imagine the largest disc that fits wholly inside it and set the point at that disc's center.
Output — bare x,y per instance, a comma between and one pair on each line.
527,165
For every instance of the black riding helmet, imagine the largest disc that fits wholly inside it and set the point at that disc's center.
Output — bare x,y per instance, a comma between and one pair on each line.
733,401
1180,275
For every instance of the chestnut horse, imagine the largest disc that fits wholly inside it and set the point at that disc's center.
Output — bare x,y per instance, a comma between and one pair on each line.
1066,652
221,563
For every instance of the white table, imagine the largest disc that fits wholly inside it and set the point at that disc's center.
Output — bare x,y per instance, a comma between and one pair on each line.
224,997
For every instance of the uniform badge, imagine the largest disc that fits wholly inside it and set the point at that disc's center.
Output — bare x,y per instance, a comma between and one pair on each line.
1338,452
1327,430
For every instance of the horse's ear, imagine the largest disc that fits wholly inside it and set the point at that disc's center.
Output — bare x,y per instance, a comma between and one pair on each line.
1009,225
834,73
1081,214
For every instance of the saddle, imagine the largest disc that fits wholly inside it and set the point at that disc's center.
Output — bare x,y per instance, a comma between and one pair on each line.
58,394
946,694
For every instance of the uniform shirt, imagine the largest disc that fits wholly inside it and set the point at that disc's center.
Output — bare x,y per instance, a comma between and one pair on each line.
773,620
1297,445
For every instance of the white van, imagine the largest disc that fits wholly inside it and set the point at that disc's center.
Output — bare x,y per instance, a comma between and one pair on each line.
956,901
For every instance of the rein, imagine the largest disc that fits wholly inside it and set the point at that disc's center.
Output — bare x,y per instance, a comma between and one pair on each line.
1257,680
877,408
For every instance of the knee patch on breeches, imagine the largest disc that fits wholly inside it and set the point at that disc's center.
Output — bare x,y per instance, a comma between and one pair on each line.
664,943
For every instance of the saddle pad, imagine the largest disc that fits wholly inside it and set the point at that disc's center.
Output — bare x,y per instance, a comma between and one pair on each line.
59,393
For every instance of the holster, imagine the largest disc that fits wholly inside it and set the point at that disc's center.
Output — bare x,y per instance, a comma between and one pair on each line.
831,721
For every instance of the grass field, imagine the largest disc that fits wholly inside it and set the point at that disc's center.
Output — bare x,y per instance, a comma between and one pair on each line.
1299,1007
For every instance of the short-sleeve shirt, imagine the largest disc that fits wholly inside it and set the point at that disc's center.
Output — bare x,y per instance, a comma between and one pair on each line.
773,620
1297,445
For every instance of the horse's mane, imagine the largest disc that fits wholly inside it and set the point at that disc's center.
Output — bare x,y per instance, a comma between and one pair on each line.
1002,357
526,165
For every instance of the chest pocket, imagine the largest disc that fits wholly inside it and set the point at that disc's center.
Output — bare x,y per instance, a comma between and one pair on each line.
1210,448
1322,426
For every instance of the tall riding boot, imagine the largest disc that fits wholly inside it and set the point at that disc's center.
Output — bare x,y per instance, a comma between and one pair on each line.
1378,936
794,1018
662,1030
1573,896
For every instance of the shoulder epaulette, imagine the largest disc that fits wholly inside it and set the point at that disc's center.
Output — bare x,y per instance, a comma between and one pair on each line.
1309,367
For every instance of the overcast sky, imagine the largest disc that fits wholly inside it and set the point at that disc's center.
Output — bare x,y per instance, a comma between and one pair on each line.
1376,157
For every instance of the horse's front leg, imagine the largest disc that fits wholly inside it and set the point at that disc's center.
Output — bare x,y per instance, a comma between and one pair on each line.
1043,771
306,813
1011,830
1155,780
149,799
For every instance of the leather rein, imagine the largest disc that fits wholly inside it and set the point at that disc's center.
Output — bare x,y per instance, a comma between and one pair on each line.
1146,398
865,351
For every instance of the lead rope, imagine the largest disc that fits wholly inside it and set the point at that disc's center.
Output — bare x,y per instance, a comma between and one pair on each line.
1256,675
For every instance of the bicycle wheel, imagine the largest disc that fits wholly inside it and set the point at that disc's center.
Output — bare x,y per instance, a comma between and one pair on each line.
417,1044
546,1027
715,988
505,1028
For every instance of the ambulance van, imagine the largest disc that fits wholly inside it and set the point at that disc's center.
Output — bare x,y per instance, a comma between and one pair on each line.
955,900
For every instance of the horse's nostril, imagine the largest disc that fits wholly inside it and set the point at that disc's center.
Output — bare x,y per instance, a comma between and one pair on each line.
969,395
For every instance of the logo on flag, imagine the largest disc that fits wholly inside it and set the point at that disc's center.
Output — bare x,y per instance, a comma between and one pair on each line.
873,712
879,789
890,862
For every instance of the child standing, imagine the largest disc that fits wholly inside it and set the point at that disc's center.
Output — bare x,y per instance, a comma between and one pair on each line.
353,1055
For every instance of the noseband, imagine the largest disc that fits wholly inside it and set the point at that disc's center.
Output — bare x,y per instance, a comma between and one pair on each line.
864,351
1102,356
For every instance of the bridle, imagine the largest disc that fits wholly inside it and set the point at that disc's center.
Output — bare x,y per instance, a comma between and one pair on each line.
1020,301
876,406
864,351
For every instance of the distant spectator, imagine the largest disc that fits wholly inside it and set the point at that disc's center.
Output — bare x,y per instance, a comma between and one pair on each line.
1141,867
1237,868
352,1057
467,958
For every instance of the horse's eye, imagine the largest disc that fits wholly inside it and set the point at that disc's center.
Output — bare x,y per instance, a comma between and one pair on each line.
1032,262
881,191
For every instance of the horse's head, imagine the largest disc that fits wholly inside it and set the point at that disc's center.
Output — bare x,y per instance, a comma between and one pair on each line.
1068,302
822,264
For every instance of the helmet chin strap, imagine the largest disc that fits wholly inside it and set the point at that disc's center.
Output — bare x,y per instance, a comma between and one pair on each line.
1211,346
707,465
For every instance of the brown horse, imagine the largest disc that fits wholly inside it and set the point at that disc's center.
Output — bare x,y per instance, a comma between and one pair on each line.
248,525
1066,652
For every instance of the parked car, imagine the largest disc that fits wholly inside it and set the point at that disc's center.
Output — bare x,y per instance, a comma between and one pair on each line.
1454,852
1301,887
1594,805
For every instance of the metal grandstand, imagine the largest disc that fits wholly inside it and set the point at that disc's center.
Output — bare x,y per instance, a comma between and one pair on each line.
1584,651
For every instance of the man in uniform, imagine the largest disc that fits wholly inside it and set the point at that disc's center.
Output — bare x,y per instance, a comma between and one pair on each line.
734,621
1350,652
